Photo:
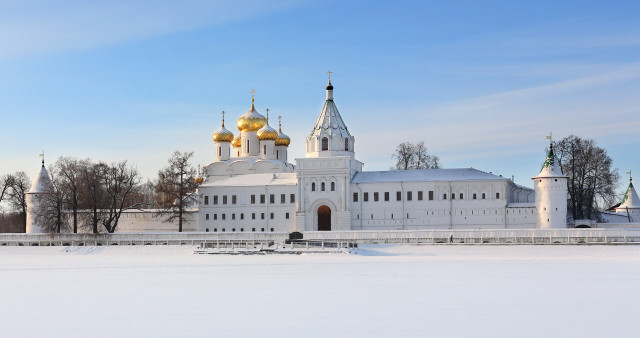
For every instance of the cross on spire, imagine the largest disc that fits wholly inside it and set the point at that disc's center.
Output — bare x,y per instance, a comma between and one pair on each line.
629,173
223,118
267,110
329,72
42,155
252,94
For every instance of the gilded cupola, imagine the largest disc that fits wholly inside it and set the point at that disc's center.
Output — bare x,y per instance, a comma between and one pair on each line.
266,132
282,139
237,141
251,120
222,134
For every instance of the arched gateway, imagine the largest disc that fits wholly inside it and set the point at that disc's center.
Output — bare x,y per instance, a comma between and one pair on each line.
324,218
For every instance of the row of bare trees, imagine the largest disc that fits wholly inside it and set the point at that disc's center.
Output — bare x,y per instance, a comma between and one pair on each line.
91,196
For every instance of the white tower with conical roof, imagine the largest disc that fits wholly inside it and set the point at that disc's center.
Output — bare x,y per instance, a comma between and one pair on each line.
330,136
551,194
37,194
630,205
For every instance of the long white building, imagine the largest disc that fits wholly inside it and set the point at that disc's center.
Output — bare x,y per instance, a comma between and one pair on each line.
251,186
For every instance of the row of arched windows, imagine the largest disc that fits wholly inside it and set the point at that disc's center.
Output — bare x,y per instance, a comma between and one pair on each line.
323,186
325,143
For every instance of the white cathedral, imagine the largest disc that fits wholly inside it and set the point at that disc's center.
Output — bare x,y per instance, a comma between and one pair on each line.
251,187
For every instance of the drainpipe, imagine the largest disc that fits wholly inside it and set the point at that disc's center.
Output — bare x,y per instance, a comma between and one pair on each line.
404,196
450,208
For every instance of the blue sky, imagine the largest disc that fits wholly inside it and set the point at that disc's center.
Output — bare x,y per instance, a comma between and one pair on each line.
481,83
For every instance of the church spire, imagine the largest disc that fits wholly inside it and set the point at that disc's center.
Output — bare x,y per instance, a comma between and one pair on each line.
329,88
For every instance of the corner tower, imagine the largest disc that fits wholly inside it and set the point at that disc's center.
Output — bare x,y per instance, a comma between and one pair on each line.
35,197
630,204
551,194
330,136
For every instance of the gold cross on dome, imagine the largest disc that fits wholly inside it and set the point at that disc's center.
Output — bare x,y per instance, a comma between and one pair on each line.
329,72
252,93
267,110
42,155
550,135
223,118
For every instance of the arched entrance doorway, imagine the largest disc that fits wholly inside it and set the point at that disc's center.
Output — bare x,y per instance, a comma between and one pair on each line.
324,218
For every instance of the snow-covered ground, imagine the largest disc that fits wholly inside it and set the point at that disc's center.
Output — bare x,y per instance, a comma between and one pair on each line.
389,291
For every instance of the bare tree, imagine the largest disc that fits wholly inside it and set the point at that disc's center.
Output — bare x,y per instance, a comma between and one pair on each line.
94,194
176,186
414,156
119,181
70,184
49,213
592,178
19,186
5,186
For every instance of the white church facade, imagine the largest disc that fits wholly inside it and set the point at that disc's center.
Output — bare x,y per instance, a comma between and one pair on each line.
251,187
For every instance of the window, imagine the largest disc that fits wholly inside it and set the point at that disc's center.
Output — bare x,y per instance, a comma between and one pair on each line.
262,229
253,215
271,229
483,196
355,197
223,229
271,216
262,215
391,216
444,196
461,196
375,197
219,151
283,198
248,146
366,197
313,186
497,195
325,143
475,196
264,149
386,196
333,186
233,216
215,199
224,216
241,229
453,196
286,215
206,216
346,144
215,217
241,216
253,199
277,154
322,186
261,199
292,198
420,195
409,195
234,199
398,195
206,200
233,229
253,229
224,199
272,198
215,229
430,195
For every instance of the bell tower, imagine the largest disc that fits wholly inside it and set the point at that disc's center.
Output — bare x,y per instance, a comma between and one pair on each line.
551,194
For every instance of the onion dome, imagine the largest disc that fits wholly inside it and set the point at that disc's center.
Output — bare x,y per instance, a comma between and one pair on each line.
237,141
282,139
266,132
251,120
222,134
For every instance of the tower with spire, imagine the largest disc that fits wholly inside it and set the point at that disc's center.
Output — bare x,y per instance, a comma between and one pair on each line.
222,137
40,189
550,187
630,205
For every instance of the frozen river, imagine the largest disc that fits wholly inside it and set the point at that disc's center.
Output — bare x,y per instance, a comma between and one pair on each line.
388,291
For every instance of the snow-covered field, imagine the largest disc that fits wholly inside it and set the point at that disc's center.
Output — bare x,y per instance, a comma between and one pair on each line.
389,291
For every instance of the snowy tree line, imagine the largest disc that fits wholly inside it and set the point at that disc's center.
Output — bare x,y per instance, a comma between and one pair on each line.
91,196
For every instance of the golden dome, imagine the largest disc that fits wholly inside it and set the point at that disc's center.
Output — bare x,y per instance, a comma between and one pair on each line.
222,135
267,133
251,120
237,141
282,139
199,180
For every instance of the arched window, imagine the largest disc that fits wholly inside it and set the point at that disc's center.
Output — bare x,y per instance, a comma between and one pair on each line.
219,151
313,186
325,143
322,186
333,186
346,144
264,149
248,146
277,154
475,196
